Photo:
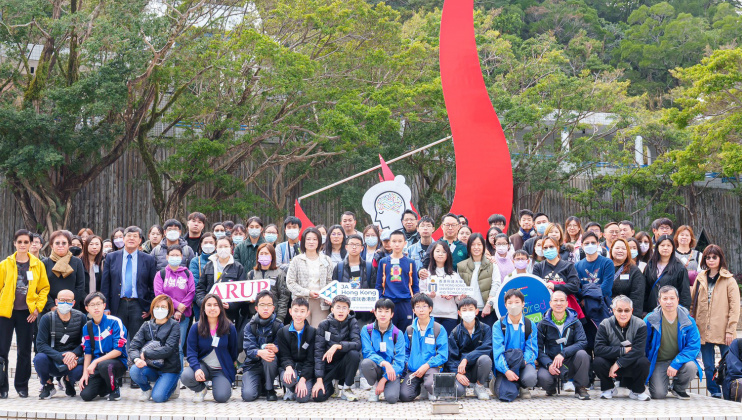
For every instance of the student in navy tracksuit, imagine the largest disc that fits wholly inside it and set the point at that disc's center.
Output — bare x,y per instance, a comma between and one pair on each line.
261,359
383,347
469,350
396,279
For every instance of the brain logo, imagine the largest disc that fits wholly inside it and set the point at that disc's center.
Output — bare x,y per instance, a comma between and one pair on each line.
390,201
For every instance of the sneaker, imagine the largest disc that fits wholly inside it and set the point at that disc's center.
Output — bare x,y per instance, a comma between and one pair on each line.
199,397
47,391
581,394
568,386
270,395
716,395
525,393
61,385
432,397
208,385
145,395
681,395
115,395
481,392
607,395
372,397
69,387
363,384
550,392
640,397
347,394
289,395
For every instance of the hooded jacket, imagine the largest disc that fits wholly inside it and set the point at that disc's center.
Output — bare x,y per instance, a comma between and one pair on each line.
395,346
424,347
160,253
549,336
259,332
718,315
179,285
689,339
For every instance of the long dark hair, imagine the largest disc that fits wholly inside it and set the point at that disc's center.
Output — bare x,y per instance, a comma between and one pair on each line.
647,255
487,245
115,231
472,238
655,259
328,244
448,265
223,323
85,254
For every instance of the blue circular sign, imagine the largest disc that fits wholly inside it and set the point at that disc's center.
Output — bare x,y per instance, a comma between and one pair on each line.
537,296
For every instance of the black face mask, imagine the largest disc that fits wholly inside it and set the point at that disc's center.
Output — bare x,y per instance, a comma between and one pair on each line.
76,250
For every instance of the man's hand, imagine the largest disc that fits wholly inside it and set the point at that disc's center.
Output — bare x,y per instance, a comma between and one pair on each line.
512,377
421,371
33,316
671,372
319,385
558,360
301,388
288,374
331,352
272,347
553,369
380,385
84,379
69,359
486,310
91,367
612,373
462,367
463,380
199,375
140,363
390,373
266,355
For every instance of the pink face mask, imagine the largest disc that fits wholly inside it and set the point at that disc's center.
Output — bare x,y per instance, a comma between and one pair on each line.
264,259
520,264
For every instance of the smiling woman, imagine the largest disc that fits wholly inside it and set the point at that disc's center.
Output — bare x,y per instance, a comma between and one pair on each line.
65,271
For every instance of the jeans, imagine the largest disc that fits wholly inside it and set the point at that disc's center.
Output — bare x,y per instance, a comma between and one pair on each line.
709,361
184,321
47,369
164,383
221,387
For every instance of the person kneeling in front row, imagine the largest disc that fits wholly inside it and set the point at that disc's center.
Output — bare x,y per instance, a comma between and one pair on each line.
620,346
561,348
469,349
383,353
296,353
261,361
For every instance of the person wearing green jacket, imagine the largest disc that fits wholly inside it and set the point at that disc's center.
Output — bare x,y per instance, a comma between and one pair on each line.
246,252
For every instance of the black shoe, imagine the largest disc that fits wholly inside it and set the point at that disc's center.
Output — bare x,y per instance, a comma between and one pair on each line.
69,387
115,395
3,395
681,395
134,385
550,392
47,392
271,395
23,394
581,394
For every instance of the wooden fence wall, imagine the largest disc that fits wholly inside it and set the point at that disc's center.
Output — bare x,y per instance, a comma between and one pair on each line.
121,196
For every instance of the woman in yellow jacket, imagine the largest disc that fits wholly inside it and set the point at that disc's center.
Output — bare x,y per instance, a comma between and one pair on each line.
715,306
23,291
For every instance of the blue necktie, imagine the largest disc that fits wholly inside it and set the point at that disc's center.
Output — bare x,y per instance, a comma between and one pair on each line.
128,282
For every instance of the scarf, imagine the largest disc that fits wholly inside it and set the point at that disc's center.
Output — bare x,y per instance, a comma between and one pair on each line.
526,235
62,265
556,321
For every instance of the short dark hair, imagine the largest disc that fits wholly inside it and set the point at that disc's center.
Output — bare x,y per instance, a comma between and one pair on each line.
449,215
175,247
89,298
465,219
662,221
497,218
525,212
303,242
713,249
467,301
426,219
539,214
23,232
522,252
591,224
197,215
341,299
228,224
384,303
172,222
354,236
610,224
397,232
409,211
627,223
590,235
300,301
349,213
255,219
41,239
421,298
291,220
215,224
263,293
135,229
514,292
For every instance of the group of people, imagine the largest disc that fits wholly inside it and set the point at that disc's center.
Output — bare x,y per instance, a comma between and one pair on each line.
633,309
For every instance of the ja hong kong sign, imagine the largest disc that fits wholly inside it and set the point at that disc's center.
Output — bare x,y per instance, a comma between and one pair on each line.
537,296
239,291
361,300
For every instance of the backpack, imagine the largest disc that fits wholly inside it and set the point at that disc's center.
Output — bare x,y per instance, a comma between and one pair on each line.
527,328
720,371
436,331
395,331
341,266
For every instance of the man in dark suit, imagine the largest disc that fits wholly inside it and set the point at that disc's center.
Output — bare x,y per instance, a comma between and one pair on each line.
127,282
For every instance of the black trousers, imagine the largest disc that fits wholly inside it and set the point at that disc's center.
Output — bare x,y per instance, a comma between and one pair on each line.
343,369
24,339
106,376
633,376
130,313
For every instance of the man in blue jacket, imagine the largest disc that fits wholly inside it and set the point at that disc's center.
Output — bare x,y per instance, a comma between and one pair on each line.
426,352
514,348
673,345
561,348
104,343
261,358
469,349
396,279
383,353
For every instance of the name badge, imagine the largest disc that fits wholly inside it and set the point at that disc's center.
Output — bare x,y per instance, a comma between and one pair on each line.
395,261
29,275
626,343
105,334
96,268
624,277
561,340
215,341
429,340
305,346
64,338
355,268
327,336
382,346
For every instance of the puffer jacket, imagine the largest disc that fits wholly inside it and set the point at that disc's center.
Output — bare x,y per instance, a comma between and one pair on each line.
259,332
330,332
716,315
487,286
168,335
160,253
549,335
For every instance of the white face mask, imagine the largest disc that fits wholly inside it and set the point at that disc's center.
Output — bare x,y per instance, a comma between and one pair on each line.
64,308
644,247
539,251
160,313
502,249
468,316
515,310
172,235
590,249
107,250
208,248
254,233
119,242
324,238
292,233
223,253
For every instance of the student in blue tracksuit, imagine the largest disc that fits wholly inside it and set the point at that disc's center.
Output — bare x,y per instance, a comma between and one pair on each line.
673,345
515,342
426,352
104,343
384,348
469,348
396,279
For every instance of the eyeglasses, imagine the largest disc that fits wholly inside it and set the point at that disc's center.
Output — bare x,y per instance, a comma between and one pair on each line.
450,225
59,243
66,300
421,307
622,311
355,245
95,305
712,257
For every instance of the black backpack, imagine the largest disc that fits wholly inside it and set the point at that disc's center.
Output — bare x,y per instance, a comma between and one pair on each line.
720,371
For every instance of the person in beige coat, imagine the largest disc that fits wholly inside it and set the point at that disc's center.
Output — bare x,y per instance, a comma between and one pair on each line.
308,273
487,278
715,306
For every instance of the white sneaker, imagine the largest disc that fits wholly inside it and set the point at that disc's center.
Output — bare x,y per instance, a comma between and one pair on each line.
432,397
347,394
289,395
145,395
525,393
607,395
641,397
372,397
481,392
569,386
363,384
199,397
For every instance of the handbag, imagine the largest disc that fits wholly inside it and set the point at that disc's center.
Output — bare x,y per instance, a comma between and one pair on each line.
153,344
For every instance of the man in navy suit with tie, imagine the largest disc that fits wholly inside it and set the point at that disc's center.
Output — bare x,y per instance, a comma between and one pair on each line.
127,282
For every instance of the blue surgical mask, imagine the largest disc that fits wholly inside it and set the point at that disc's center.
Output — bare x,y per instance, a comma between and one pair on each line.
271,237
541,228
220,235
254,232
238,239
174,261
590,249
550,253
634,253
372,241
